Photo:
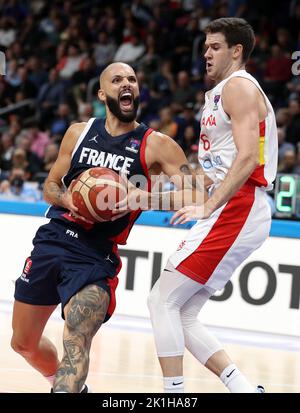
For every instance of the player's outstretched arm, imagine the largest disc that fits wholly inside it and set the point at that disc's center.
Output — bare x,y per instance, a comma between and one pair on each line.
191,186
163,154
54,192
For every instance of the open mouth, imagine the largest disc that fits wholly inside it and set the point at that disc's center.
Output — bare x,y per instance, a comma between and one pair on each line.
126,101
208,66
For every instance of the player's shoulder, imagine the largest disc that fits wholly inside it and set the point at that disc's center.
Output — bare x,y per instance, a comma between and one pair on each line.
71,136
238,85
76,128
157,139
160,146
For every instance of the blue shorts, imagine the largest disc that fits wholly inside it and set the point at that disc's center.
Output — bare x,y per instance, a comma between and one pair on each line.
63,261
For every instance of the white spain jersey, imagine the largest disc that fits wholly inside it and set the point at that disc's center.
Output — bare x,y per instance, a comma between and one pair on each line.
217,149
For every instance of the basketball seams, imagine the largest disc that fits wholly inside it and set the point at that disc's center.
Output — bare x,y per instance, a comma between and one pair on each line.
85,195
89,185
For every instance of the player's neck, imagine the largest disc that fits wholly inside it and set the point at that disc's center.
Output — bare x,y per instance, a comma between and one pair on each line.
115,127
229,71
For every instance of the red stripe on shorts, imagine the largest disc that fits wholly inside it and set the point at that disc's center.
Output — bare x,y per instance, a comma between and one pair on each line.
201,264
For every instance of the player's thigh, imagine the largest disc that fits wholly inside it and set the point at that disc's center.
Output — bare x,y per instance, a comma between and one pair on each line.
28,322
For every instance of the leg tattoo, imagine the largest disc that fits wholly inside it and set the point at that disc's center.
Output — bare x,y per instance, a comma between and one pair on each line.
84,315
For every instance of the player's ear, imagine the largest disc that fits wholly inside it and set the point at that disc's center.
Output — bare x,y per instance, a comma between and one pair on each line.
237,51
101,95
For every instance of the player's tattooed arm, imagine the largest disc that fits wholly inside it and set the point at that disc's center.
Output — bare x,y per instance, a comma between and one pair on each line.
55,192
191,190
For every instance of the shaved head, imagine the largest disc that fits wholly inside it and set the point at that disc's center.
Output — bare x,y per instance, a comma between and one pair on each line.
111,69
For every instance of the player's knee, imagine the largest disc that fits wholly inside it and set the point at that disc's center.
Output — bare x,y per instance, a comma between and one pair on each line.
153,300
161,301
188,318
23,345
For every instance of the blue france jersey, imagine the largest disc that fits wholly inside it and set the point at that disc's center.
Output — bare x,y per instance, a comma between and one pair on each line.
125,154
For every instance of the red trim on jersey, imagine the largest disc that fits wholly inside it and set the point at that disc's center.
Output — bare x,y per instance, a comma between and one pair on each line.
113,283
201,264
258,175
262,128
143,157
85,225
122,237
115,250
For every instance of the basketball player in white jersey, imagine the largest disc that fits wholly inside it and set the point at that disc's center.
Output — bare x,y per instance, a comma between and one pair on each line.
238,151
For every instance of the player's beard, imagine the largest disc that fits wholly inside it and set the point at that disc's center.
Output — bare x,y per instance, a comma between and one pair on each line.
126,117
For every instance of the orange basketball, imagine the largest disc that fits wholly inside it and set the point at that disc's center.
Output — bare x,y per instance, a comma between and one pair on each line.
95,193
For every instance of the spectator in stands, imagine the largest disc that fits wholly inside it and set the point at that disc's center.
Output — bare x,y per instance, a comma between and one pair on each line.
6,151
289,162
36,74
19,160
199,105
23,141
283,146
51,153
294,87
61,122
144,95
190,138
39,140
183,93
187,118
50,96
12,76
167,124
149,62
81,78
130,51
27,87
104,51
162,84
8,31
293,128
16,188
278,72
85,112
71,63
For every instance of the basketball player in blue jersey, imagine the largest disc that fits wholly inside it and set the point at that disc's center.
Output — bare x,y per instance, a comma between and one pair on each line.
75,262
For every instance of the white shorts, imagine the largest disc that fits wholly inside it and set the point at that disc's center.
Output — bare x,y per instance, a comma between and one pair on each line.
216,246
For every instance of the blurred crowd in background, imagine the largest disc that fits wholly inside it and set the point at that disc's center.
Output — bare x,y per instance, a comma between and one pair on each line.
56,50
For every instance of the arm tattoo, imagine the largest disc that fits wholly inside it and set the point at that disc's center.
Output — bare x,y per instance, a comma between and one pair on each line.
54,192
84,316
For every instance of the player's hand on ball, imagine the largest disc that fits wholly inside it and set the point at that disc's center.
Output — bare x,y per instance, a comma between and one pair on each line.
136,199
67,202
191,213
